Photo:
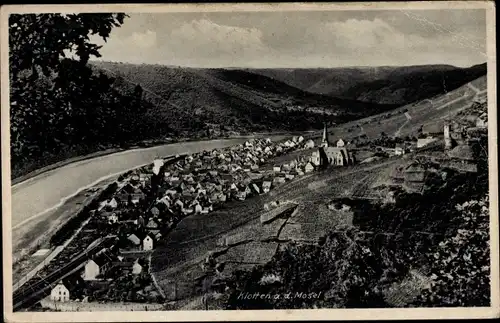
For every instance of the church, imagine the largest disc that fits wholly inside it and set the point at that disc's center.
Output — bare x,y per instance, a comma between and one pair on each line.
337,156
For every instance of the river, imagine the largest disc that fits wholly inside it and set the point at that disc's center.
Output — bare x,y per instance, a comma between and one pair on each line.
47,191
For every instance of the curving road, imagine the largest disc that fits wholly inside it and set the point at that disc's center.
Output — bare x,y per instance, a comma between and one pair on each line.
41,194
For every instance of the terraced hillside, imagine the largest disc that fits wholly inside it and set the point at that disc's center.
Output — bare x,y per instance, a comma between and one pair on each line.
177,262
406,120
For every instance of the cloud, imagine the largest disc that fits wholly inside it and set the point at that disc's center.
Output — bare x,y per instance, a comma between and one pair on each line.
298,40
377,42
204,37
134,48
143,40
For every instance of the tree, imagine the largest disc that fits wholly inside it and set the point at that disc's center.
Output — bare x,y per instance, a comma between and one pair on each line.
460,266
57,101
53,35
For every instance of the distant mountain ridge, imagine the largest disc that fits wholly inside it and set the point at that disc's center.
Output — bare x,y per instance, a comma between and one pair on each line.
235,99
382,85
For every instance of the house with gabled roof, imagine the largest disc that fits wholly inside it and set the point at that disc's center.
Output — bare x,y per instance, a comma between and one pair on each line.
68,288
152,224
113,218
134,239
97,265
148,242
136,268
60,293
266,186
255,188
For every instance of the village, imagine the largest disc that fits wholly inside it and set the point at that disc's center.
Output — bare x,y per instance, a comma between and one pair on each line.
148,202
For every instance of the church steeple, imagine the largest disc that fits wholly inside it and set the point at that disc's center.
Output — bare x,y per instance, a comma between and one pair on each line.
324,141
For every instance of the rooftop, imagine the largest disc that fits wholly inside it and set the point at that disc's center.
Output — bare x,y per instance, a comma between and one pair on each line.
463,152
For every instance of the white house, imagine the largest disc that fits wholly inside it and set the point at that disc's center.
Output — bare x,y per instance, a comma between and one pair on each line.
301,139
315,158
158,163
134,239
111,203
276,168
340,143
147,243
136,268
152,224
266,186
399,150
198,208
112,218
481,123
309,144
59,293
309,168
92,270
421,142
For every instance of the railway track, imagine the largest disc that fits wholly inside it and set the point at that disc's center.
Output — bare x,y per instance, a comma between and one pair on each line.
34,291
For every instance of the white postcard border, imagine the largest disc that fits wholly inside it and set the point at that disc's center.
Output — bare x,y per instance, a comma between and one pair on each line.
317,314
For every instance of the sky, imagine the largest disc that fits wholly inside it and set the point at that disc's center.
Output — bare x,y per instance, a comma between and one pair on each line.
301,39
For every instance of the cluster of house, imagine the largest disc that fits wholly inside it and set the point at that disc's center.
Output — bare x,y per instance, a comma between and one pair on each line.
195,184
410,177
97,273
454,132
458,137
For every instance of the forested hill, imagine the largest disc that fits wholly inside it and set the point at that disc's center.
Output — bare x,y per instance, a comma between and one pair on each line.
84,108
62,108
385,84
403,86
233,98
